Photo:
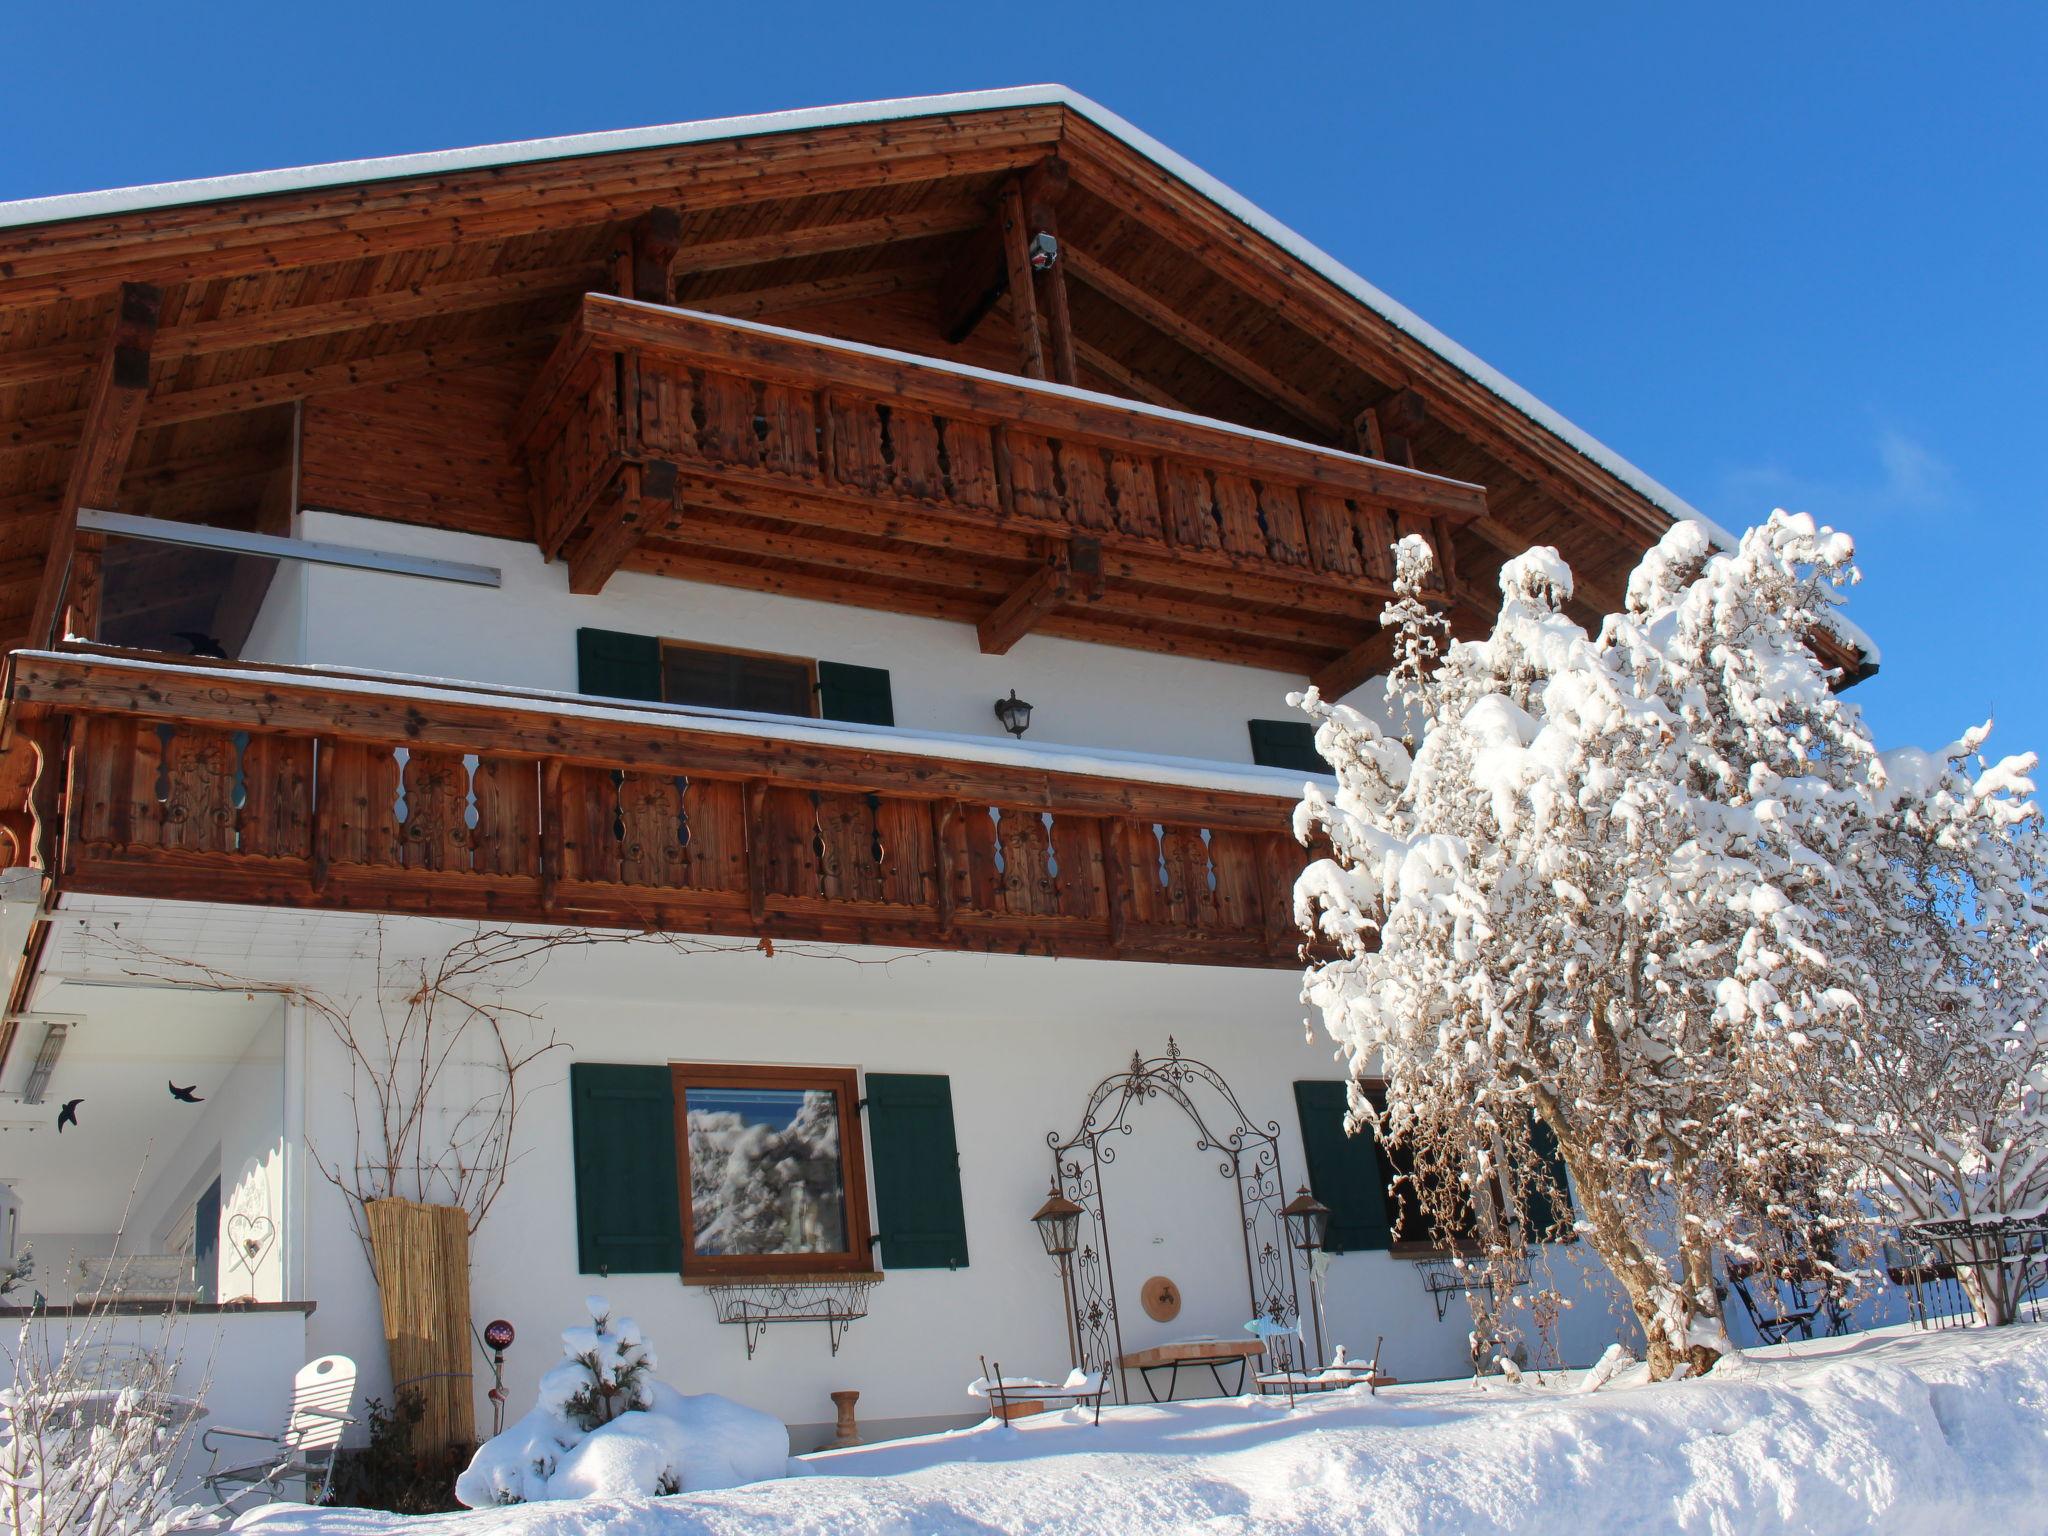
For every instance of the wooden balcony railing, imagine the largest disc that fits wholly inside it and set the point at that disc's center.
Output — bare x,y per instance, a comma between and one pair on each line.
716,448
287,787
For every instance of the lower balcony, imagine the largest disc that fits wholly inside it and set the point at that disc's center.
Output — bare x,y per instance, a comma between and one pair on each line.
311,788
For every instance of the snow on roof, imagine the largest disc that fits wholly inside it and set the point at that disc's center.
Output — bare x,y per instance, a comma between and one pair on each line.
80,205
1041,757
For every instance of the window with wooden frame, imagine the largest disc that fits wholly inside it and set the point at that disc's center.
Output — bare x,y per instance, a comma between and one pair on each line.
770,1169
760,681
612,664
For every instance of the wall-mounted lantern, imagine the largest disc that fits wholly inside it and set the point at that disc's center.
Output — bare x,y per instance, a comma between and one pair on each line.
1015,714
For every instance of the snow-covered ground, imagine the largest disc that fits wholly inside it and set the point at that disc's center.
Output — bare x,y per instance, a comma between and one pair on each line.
1894,1431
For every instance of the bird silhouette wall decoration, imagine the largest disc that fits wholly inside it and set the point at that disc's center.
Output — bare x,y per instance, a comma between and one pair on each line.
185,1095
68,1115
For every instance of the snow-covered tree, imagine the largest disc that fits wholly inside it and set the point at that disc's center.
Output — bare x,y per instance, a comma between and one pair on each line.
1942,1091
1594,897
606,1369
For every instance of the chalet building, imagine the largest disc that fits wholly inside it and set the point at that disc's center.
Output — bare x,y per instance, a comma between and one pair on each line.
798,611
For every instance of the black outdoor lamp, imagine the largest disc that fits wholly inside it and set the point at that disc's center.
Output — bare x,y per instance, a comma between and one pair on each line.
1015,713
1059,1228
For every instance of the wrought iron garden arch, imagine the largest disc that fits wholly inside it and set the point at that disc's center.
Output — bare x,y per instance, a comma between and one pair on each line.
1251,1162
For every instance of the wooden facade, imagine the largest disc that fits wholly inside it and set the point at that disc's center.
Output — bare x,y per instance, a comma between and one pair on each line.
656,429
218,784
1011,371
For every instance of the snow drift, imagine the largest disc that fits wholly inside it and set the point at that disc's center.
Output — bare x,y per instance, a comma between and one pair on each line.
1893,1431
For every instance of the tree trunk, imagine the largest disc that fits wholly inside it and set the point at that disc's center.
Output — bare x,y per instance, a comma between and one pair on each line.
1663,1309
422,1264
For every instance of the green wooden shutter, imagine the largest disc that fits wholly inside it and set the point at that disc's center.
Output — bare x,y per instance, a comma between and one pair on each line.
1539,1213
1286,744
858,694
618,666
628,1205
919,1219
1345,1172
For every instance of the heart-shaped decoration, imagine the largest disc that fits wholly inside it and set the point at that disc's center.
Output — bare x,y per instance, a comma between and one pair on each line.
250,1237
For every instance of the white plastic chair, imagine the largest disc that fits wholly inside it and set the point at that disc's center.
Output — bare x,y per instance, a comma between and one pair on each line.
323,1395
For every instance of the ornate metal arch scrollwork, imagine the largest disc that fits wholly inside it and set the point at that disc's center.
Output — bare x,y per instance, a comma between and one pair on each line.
1250,1160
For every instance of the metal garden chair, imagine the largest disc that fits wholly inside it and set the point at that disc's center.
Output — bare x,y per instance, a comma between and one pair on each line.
323,1393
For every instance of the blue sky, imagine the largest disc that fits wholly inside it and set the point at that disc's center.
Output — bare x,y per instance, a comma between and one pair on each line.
1775,254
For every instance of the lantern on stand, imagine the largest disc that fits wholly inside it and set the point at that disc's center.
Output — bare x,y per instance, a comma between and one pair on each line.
1308,1226
1059,1228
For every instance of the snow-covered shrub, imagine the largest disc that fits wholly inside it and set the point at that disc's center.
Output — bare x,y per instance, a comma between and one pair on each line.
606,1370
1594,897
87,1446
603,1427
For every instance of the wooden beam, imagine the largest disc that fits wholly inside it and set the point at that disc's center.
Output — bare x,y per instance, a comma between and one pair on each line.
982,271
1016,239
1041,216
647,249
1387,429
374,368
204,338
822,239
1155,312
972,285
1370,657
492,203
1019,613
113,412
750,303
646,504
1124,377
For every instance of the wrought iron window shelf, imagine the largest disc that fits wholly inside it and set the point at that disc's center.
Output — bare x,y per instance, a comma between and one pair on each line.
1446,1277
752,1303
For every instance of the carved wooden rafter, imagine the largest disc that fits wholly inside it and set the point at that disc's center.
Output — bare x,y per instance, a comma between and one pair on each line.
113,412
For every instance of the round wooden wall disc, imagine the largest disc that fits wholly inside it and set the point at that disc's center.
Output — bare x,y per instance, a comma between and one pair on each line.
1161,1299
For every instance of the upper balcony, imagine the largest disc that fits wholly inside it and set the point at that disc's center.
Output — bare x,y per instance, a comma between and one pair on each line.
308,787
728,451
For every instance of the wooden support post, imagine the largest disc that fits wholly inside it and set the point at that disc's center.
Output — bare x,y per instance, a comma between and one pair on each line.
757,851
82,597
1387,430
321,855
1369,657
554,842
1041,216
1023,292
646,503
944,814
113,412
45,735
643,266
1116,874
1034,597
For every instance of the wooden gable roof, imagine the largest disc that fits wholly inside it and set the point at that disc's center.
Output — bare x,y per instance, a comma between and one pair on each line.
366,331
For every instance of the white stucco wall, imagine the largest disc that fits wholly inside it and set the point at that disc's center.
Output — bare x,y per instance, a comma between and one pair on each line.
524,634
1023,1041
239,1138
